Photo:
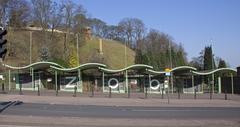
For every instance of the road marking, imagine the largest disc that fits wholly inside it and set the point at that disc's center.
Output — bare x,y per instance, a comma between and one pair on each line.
165,110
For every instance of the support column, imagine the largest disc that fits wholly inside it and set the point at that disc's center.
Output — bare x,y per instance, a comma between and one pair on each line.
219,85
171,78
126,81
80,85
39,83
33,84
213,83
56,83
232,83
9,80
103,81
193,86
149,79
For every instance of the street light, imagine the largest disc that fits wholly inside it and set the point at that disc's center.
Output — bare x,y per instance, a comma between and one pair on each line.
170,61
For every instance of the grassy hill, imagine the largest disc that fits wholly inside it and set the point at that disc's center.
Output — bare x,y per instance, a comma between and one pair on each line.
19,49
113,53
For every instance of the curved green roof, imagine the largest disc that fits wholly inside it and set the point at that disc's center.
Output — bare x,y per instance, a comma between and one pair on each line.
37,65
214,71
131,67
81,67
183,68
150,71
172,70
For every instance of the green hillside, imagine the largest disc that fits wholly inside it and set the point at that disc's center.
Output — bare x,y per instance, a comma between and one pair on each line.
18,46
113,53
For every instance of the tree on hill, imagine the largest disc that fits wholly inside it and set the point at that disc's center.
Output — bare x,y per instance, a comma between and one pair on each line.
98,27
18,13
4,4
154,50
41,12
132,30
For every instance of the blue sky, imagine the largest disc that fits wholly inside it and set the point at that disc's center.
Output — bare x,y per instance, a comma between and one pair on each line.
194,23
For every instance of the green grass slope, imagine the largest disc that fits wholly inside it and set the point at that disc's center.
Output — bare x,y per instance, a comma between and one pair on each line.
113,53
19,41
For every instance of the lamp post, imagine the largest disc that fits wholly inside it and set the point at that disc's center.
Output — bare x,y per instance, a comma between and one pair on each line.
170,61
77,50
125,54
30,48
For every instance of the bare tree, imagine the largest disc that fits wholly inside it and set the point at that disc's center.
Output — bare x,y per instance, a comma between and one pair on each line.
3,11
56,16
133,30
41,10
18,13
99,28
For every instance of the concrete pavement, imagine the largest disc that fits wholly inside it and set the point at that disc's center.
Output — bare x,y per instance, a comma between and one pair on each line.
152,102
7,120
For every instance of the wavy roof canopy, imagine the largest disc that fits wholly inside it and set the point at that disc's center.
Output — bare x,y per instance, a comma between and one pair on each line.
81,67
183,68
131,67
36,66
102,67
180,68
214,71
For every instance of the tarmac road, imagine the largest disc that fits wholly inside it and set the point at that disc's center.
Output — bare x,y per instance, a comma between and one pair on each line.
91,111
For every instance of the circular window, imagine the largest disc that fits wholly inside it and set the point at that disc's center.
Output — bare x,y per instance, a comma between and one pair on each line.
113,83
155,84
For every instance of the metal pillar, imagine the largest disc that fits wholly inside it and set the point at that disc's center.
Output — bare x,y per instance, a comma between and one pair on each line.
32,73
110,92
30,48
103,82
77,50
232,83
9,80
213,83
39,82
171,81
126,81
80,80
56,83
149,79
193,86
219,85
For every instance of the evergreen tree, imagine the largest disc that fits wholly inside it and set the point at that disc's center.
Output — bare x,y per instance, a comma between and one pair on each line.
44,54
222,64
208,61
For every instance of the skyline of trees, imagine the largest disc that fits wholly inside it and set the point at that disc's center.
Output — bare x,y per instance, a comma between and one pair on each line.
151,46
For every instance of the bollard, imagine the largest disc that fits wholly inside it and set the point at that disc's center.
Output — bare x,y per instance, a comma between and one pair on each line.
195,93
110,92
57,91
168,97
146,96
225,94
92,90
210,92
162,93
20,92
128,91
3,89
178,93
75,91
38,90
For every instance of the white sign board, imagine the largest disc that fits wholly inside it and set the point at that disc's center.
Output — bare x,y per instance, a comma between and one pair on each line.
168,74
